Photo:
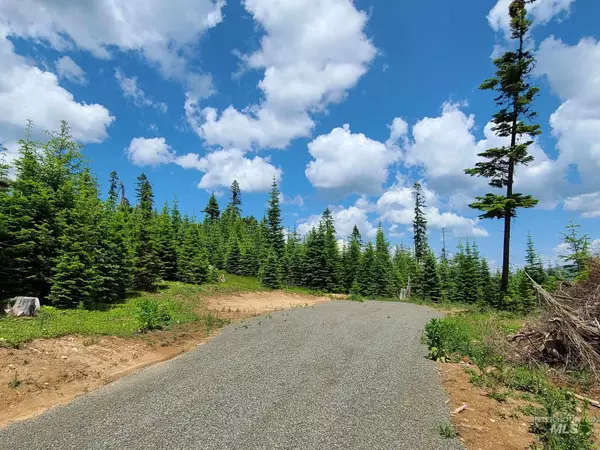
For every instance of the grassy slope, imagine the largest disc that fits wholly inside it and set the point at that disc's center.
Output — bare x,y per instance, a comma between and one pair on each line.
182,300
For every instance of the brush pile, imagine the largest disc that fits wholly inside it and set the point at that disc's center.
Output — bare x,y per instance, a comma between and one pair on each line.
568,331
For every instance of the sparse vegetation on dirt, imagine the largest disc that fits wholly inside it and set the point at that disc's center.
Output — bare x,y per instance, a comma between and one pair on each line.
480,341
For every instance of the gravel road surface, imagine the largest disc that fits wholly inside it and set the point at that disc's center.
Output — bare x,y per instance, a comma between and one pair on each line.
341,375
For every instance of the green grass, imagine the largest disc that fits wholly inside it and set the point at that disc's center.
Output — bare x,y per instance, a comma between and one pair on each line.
174,304
471,333
179,300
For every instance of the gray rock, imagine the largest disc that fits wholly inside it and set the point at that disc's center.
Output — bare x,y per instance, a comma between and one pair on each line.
23,306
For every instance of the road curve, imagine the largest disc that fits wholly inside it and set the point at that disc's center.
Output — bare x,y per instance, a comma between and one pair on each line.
341,375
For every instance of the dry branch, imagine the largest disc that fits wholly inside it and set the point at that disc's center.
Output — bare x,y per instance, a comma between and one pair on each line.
568,331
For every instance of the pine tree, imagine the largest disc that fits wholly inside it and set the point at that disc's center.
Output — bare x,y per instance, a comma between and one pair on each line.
366,278
114,261
382,270
236,198
314,264
579,247
533,263
293,256
404,266
166,245
446,280
214,242
75,278
331,255
40,196
275,238
251,247
124,204
192,261
270,274
487,287
234,258
515,95
431,280
470,273
419,223
212,212
146,263
352,259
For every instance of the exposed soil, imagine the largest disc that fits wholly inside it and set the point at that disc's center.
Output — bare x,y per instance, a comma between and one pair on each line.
485,423
257,303
48,372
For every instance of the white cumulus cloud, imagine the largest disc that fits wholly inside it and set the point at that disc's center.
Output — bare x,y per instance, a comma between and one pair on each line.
223,166
27,92
312,53
150,152
162,32
348,162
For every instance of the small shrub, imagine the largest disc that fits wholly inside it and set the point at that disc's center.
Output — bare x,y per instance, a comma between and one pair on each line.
443,338
356,297
151,315
14,383
447,431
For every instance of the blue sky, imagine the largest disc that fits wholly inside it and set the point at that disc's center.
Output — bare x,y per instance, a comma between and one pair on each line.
345,103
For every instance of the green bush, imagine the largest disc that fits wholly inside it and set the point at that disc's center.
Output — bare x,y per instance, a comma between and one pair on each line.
446,338
151,315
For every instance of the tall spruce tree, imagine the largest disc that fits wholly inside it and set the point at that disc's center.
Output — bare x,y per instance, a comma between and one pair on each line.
166,245
432,289
293,256
234,258
113,189
382,270
192,261
365,278
75,278
146,262
419,223
331,254
270,276
352,259
236,198
314,264
275,237
533,263
212,213
515,95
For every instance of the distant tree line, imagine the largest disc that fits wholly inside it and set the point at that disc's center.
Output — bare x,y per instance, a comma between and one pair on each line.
61,241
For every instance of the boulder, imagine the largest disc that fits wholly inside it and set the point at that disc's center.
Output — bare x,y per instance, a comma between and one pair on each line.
23,306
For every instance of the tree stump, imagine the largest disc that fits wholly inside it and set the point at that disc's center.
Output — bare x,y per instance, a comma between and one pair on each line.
23,306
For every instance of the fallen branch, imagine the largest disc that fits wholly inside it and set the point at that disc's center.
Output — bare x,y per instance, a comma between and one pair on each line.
592,402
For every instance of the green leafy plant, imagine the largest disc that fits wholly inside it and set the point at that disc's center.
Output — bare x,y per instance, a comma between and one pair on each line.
447,431
151,315
14,383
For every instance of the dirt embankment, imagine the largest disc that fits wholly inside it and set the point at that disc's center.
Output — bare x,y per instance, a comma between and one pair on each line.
48,372
485,423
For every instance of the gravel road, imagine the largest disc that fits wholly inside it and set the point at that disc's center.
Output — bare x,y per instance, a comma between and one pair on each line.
341,375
